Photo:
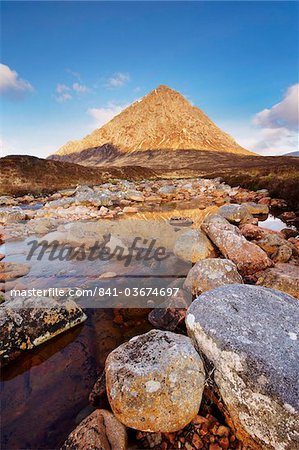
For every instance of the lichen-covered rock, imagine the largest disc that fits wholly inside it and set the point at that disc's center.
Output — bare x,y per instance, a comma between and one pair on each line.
211,273
283,277
235,213
279,249
250,334
193,246
26,323
256,208
155,381
248,257
98,431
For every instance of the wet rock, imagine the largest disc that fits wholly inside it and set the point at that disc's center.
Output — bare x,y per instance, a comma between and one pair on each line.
170,315
249,334
288,216
248,257
265,201
99,431
98,393
234,213
256,208
289,233
29,322
193,245
211,273
155,381
283,277
10,271
251,231
278,203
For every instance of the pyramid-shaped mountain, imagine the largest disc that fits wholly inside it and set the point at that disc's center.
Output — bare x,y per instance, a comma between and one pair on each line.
163,119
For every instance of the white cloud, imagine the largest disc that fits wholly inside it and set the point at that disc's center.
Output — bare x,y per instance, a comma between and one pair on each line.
284,114
118,80
80,87
106,113
273,131
11,83
63,92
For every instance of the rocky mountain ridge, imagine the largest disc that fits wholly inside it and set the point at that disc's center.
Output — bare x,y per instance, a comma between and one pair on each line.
163,119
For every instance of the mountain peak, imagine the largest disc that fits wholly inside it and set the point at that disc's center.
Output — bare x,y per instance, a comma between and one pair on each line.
163,119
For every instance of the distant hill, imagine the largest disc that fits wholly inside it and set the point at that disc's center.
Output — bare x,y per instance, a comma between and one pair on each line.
162,120
22,174
292,154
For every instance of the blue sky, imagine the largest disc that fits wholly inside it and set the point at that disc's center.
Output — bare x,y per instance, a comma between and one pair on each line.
67,67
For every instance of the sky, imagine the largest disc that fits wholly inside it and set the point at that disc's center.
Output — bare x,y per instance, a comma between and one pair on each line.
69,67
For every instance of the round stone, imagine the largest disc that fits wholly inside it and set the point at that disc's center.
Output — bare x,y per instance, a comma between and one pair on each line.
155,381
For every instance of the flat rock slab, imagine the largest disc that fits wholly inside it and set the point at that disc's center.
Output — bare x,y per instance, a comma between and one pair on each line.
250,334
155,381
27,323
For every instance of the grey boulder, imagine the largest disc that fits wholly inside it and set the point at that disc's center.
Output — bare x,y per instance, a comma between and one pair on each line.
250,335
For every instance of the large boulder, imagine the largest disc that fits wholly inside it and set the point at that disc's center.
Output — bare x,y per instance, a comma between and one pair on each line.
193,246
248,257
249,334
283,277
211,273
100,430
26,323
155,381
235,213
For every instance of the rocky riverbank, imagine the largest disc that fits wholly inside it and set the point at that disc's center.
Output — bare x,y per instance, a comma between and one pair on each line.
218,374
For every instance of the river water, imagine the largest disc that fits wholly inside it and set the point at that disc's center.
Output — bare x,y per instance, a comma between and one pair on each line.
45,391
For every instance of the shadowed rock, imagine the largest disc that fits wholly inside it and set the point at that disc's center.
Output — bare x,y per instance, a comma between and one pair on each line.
99,431
27,323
